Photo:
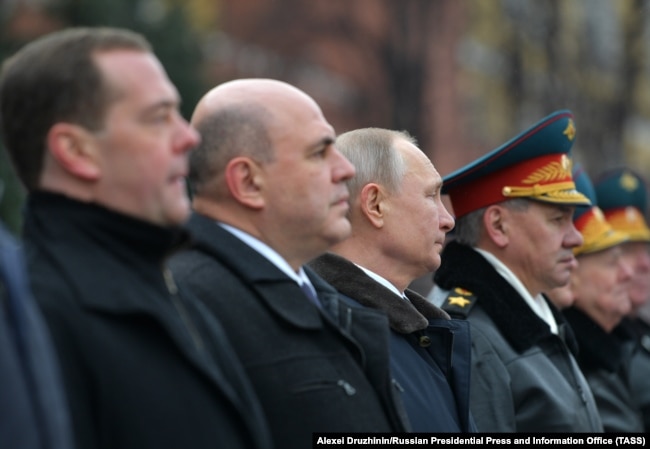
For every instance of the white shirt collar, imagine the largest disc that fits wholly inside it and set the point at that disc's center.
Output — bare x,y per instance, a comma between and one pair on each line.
272,255
382,281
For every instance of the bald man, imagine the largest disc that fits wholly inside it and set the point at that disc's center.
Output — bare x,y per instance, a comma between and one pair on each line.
269,194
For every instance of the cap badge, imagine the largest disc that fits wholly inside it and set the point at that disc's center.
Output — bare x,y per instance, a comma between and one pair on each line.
629,182
570,130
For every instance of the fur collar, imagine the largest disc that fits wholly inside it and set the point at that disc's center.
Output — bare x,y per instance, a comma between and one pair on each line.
464,267
405,317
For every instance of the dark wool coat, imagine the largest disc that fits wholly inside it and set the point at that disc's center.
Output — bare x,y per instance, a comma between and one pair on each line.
524,377
144,367
313,371
639,373
605,361
430,354
33,411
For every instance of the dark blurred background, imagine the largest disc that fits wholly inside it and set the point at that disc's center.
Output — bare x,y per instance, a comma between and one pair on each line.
462,76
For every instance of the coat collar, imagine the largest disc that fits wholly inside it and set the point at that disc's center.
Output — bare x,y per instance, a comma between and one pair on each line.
405,317
87,245
62,217
598,349
279,292
88,238
463,267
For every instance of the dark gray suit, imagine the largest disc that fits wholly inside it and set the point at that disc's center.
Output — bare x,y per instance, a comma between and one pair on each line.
313,371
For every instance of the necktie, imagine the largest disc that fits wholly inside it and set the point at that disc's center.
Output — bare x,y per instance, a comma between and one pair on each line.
310,294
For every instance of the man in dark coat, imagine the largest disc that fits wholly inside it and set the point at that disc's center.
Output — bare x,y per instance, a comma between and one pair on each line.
91,122
399,225
270,195
33,409
599,288
623,197
513,241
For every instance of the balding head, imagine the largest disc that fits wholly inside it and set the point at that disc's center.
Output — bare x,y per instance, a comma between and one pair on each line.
267,165
243,117
247,93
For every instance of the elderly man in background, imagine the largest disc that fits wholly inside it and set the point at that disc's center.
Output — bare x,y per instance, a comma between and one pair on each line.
623,196
600,286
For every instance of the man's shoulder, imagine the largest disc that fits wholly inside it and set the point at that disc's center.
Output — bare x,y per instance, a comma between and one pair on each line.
463,304
458,302
186,262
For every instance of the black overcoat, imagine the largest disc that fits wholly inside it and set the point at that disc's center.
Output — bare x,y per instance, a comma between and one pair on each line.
313,371
142,365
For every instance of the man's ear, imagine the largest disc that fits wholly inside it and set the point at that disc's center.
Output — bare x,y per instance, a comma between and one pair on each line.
75,150
245,181
373,206
495,221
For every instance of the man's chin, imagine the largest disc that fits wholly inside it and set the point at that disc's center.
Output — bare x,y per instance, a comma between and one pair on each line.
339,232
178,215
562,282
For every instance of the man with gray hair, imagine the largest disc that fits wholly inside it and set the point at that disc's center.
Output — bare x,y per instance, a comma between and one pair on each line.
513,241
270,195
399,225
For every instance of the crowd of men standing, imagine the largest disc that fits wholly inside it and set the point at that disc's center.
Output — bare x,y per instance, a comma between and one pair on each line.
272,301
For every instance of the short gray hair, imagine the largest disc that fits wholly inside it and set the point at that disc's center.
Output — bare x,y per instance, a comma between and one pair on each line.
372,152
469,227
229,132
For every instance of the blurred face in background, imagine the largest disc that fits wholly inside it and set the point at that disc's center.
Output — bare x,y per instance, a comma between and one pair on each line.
561,297
144,146
637,255
600,284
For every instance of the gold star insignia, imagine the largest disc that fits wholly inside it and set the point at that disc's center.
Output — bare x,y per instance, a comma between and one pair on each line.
570,131
629,182
458,301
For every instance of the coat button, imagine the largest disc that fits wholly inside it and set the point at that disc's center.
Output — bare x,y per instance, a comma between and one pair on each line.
425,341
349,389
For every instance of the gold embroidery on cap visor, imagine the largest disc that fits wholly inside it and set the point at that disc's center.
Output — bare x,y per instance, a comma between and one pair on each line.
597,233
541,186
630,221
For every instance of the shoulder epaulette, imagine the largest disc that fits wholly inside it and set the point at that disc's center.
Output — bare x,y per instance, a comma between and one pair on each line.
459,302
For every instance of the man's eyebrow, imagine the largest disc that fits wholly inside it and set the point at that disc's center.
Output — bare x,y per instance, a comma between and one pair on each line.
324,142
161,105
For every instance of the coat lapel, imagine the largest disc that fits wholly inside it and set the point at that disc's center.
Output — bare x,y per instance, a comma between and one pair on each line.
274,288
